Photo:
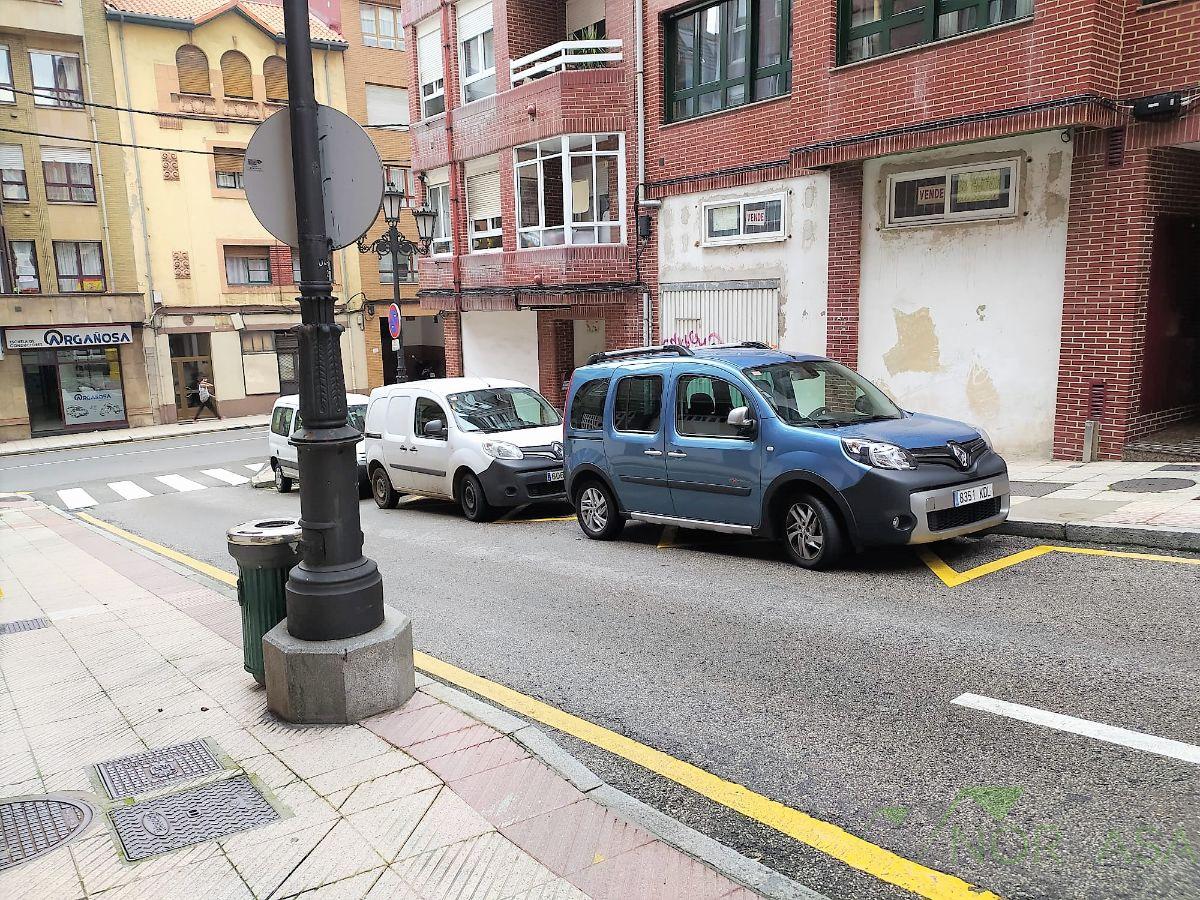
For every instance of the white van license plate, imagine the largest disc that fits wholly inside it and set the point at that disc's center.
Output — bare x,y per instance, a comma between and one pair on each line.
556,475
974,494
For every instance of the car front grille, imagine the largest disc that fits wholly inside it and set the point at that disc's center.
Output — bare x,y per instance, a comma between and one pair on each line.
945,519
943,456
544,451
546,489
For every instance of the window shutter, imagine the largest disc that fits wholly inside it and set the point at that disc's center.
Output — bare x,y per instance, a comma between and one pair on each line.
192,66
76,155
429,55
228,160
483,195
386,105
275,76
474,18
11,157
235,75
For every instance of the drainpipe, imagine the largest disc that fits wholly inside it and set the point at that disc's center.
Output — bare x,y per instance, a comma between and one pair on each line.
448,63
640,87
100,192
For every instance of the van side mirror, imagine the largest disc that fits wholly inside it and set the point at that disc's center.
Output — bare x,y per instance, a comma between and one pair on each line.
739,417
434,428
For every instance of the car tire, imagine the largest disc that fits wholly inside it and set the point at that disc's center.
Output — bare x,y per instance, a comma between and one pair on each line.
283,484
473,501
381,489
597,512
811,533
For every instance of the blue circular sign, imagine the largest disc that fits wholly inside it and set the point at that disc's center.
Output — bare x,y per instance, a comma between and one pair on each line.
394,321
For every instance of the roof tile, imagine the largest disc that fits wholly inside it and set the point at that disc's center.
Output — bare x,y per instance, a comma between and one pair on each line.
269,16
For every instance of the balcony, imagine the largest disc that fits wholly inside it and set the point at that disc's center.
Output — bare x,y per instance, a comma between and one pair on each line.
185,105
566,56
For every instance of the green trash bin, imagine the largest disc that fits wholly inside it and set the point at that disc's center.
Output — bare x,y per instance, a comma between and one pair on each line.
265,551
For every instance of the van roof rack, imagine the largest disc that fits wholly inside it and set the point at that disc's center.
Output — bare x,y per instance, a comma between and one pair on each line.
605,355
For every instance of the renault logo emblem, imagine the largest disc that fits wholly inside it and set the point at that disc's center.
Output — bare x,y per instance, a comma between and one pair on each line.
557,449
960,453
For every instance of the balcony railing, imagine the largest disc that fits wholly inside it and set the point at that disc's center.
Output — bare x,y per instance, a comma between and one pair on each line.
566,55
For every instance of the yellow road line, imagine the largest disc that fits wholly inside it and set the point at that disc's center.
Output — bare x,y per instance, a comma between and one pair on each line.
824,836
544,519
953,578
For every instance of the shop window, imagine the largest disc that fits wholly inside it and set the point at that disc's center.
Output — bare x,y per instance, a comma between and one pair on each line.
953,194
476,51
745,220
56,79
25,267
870,28
438,197
6,79
80,386
275,78
587,406
69,176
228,163
429,68
80,266
12,173
387,107
570,190
637,406
381,27
247,266
407,273
722,55
191,67
258,342
485,223
235,75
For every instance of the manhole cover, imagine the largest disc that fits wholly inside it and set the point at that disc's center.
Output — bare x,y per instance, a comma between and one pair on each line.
23,625
1152,485
189,817
32,826
154,769
1179,467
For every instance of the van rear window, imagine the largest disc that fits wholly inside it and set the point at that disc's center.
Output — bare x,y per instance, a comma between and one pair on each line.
587,406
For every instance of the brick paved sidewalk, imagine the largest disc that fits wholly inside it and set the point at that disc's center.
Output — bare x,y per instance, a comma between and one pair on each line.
423,802
125,435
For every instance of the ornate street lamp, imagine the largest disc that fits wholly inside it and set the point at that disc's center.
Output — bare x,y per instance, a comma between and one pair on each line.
392,243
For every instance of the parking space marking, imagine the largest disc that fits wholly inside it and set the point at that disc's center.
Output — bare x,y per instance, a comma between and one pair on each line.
823,836
1136,740
953,578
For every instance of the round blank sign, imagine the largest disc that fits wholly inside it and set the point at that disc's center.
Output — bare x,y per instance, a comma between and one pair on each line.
352,177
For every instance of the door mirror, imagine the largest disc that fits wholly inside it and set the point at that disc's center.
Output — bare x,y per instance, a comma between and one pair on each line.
740,418
434,428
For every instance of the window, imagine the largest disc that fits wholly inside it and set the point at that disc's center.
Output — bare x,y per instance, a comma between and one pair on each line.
726,54
228,163
235,75
476,54
703,404
427,411
587,406
80,266
874,27
381,27
56,80
953,194
742,221
399,177
6,79
408,269
485,224
387,105
275,78
429,68
580,173
12,173
438,197
820,392
191,66
247,266
68,173
296,266
502,409
638,404
281,420
258,342
25,267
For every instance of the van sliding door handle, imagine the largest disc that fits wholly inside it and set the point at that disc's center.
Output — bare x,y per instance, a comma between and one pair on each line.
652,452
676,454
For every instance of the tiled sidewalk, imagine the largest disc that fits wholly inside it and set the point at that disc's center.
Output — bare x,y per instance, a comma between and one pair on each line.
125,435
422,803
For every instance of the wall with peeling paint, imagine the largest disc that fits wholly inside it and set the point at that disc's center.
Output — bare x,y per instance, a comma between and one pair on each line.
800,261
963,320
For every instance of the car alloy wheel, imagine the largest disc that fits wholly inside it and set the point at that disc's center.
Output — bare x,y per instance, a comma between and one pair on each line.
593,509
804,532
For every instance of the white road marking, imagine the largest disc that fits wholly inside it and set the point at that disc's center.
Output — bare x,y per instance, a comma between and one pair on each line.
225,475
1136,740
254,467
76,498
179,482
128,490
113,454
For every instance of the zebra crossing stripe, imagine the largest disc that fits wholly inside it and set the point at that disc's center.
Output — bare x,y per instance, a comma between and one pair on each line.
179,483
76,498
128,490
225,475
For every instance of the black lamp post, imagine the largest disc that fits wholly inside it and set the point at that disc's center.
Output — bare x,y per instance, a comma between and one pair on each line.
393,243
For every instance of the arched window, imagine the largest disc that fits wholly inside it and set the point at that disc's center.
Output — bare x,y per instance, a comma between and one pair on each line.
275,75
192,66
235,75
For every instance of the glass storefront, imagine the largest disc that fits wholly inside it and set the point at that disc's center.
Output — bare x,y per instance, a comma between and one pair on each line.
73,389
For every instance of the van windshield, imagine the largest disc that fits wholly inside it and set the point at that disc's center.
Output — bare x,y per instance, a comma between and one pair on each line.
502,409
821,393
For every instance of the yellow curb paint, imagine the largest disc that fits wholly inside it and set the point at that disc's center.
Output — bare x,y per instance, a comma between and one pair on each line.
820,835
953,578
544,519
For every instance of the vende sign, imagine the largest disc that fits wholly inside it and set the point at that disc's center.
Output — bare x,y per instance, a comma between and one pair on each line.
53,338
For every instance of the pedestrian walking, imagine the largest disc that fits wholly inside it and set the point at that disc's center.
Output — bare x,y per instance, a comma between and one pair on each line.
207,395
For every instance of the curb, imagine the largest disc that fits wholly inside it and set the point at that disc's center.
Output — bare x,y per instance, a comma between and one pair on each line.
1154,536
108,438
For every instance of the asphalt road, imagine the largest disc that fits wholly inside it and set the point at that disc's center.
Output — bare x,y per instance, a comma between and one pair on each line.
828,692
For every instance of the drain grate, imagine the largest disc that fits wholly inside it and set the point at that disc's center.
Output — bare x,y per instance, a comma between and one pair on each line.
31,826
154,769
23,625
189,817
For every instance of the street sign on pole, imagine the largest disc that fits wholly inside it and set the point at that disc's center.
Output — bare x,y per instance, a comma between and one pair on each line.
352,184
394,321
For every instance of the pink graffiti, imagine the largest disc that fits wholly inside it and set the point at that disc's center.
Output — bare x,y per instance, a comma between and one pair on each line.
692,339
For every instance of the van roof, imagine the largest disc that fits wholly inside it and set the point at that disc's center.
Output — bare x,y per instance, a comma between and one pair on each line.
294,399
443,386
735,357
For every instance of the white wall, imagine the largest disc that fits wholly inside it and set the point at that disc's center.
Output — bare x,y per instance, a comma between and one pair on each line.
501,345
799,262
963,320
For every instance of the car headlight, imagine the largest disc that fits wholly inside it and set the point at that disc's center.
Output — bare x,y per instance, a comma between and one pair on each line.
878,454
502,450
987,438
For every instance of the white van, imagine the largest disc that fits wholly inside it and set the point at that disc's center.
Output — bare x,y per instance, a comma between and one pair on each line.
285,421
485,443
